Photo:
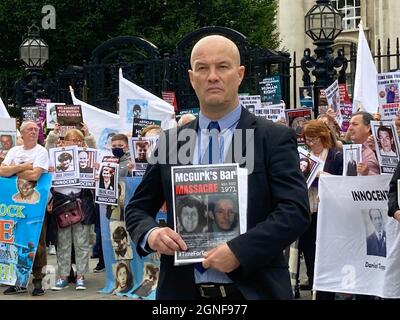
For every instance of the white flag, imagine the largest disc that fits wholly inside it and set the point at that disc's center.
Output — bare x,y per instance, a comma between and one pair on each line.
139,103
3,111
365,85
101,123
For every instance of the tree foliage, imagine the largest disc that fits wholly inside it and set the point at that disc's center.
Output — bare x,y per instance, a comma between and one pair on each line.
82,25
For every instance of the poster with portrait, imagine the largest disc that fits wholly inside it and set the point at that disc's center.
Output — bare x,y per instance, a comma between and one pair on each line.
386,145
388,87
250,103
139,124
322,102
333,98
26,202
194,111
136,109
134,277
296,118
306,97
104,140
64,160
205,207
51,114
87,157
41,119
352,156
362,241
69,117
8,136
140,149
346,107
107,184
309,165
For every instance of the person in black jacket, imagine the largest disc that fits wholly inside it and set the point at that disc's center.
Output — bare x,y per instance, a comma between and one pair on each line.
252,265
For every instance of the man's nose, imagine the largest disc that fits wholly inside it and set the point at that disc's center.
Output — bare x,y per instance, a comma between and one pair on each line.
213,74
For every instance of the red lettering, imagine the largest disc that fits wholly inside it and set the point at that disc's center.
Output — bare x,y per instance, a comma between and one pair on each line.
6,228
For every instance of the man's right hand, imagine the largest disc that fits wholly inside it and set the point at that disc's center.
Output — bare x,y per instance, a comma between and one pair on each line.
397,215
26,166
166,241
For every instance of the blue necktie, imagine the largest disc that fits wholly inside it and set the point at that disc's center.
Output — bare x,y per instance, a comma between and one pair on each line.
213,157
213,144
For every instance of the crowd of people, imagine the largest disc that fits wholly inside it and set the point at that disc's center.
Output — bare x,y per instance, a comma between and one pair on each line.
280,207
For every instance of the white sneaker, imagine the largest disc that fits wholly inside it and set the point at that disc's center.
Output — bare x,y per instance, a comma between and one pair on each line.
52,249
80,284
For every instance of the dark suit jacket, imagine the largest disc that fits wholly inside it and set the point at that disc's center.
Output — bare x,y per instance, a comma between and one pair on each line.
376,247
393,205
351,168
277,214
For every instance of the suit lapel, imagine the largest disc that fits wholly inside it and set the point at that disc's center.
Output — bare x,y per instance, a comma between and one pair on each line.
247,121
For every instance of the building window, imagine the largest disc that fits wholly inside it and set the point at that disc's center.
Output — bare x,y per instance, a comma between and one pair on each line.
351,10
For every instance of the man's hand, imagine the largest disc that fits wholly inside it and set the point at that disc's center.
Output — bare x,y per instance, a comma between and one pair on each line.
371,142
85,129
362,169
26,166
166,241
397,215
221,258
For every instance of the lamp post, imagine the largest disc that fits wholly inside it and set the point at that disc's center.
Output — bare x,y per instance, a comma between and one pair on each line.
34,53
323,23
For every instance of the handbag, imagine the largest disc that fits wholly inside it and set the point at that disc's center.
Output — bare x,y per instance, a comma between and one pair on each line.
69,213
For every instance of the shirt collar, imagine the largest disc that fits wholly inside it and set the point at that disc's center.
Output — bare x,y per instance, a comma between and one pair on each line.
227,121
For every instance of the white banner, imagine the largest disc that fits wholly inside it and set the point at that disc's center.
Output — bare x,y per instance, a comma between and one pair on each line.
358,249
101,123
139,103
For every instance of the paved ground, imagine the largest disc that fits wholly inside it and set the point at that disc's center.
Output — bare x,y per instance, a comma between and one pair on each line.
94,282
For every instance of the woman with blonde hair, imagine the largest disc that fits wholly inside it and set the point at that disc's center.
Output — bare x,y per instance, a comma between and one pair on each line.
77,234
321,143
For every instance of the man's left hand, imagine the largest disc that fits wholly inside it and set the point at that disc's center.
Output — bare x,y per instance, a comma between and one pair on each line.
221,258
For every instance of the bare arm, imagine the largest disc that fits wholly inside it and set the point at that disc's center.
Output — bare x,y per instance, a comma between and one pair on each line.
31,175
10,170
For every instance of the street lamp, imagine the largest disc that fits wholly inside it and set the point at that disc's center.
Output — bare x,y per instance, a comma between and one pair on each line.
33,51
323,23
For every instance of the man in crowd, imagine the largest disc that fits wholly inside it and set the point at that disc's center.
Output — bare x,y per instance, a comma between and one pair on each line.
358,132
28,162
250,266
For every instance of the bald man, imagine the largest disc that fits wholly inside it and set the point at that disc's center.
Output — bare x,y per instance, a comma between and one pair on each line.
250,266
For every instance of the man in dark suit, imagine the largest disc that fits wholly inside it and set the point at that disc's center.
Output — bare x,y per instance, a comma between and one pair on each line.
252,265
376,241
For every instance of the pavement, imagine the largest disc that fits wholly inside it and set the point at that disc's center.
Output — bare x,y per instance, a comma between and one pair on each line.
94,282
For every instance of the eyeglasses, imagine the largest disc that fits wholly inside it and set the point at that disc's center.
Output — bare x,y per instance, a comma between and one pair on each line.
312,140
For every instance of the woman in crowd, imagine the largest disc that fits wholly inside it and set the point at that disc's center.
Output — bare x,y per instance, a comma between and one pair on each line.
319,139
77,234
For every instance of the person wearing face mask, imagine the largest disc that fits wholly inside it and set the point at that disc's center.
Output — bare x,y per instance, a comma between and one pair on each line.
119,148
